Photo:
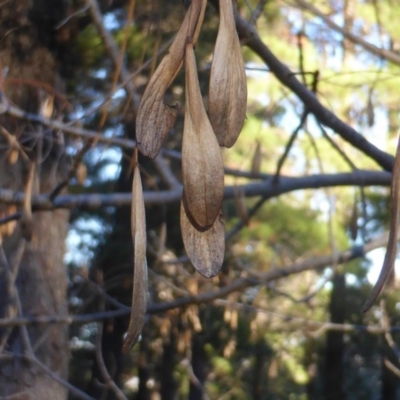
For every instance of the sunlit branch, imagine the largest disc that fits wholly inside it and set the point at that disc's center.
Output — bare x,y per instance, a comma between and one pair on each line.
251,38
113,50
320,326
356,39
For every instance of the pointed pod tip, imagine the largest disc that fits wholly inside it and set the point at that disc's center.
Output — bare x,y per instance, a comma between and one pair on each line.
207,273
371,300
376,291
129,342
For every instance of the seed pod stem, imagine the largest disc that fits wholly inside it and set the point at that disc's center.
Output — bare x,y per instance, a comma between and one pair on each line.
228,88
155,119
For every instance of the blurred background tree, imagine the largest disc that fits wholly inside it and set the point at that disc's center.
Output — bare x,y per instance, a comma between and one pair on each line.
306,206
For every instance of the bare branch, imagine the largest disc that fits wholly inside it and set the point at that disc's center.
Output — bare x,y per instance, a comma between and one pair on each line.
267,189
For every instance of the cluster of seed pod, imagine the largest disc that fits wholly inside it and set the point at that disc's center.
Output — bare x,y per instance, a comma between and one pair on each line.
202,227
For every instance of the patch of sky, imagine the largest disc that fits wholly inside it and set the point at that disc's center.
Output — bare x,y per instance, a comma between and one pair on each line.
100,73
111,170
119,94
110,21
376,257
81,241
256,70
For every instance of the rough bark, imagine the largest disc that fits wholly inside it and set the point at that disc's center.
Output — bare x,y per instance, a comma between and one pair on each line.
29,78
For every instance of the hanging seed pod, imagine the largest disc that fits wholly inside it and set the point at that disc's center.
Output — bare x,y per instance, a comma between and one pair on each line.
202,164
205,249
391,250
139,293
228,89
155,119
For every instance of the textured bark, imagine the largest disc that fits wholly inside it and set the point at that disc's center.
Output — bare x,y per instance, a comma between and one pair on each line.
29,76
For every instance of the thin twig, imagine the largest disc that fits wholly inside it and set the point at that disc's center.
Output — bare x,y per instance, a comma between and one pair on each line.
313,263
103,369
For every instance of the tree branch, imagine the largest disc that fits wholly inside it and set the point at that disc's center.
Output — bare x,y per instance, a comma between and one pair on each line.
356,39
251,38
267,188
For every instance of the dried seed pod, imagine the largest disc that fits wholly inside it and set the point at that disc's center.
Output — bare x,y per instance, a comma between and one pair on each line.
391,250
202,164
155,119
228,89
205,249
139,293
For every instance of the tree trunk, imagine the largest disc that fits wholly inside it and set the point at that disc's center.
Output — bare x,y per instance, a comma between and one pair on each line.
334,375
390,381
199,365
32,249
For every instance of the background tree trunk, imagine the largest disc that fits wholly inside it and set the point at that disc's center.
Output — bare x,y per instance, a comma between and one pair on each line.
29,80
334,375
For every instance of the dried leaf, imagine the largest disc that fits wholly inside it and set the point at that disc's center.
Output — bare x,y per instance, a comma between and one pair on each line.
14,146
26,220
205,249
81,173
139,293
12,156
155,119
228,89
47,106
202,164
8,228
391,250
